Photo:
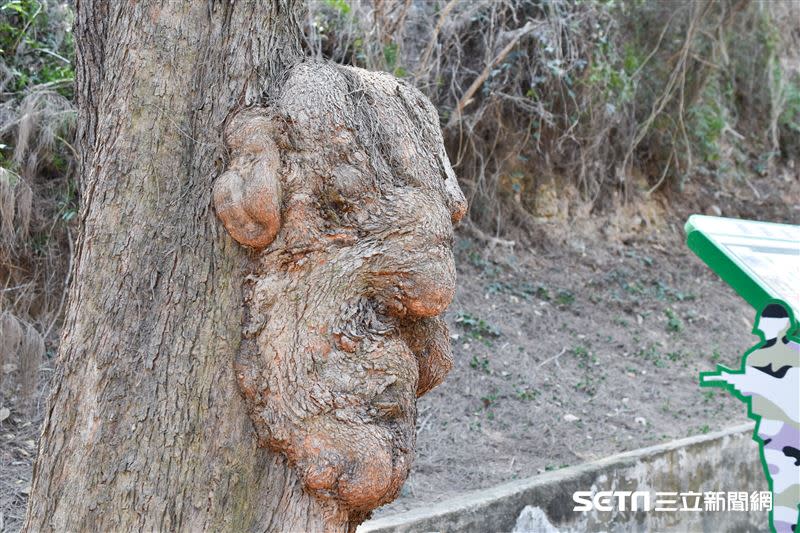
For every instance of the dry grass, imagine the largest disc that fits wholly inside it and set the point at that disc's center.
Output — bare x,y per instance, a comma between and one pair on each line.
21,351
35,244
37,193
548,96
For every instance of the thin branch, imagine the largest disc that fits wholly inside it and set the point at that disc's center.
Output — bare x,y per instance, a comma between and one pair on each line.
470,92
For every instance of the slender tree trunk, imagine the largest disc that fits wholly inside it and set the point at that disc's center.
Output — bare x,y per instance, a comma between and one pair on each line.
146,429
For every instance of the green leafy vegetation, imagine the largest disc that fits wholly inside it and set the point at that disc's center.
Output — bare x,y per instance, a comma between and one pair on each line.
477,328
565,298
526,394
482,364
34,51
674,323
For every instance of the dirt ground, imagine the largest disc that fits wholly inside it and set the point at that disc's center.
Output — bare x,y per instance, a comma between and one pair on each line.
585,347
585,344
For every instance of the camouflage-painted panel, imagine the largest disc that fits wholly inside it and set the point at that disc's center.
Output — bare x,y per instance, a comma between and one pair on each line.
768,381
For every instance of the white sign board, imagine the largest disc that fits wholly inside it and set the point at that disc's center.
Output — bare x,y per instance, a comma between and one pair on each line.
760,260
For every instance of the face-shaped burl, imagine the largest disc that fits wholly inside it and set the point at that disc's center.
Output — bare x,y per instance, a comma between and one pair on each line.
343,188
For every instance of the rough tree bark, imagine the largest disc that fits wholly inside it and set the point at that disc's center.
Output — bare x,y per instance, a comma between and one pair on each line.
322,326
146,429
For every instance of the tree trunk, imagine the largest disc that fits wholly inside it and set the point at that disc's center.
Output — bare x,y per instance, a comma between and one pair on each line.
146,429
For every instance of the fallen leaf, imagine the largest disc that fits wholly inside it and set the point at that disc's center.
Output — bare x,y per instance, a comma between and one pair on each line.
4,413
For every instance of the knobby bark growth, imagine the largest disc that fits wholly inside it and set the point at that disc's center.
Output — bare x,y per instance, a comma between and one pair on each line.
322,327
343,186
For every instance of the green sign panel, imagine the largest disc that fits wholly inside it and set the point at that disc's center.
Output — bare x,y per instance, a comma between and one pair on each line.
760,260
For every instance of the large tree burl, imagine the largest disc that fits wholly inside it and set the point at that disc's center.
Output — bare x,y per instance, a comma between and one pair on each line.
343,188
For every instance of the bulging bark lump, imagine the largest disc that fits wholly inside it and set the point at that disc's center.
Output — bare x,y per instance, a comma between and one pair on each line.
342,187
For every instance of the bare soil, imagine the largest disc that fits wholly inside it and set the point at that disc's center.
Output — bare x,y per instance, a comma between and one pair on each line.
586,343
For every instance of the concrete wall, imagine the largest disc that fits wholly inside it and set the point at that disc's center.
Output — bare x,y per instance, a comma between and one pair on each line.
723,461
